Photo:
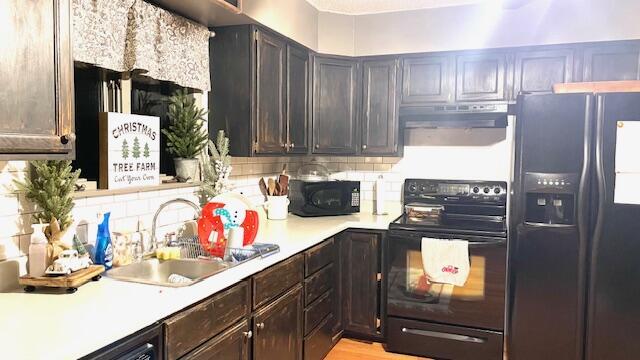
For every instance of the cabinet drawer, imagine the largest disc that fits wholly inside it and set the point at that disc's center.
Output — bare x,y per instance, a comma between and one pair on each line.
318,310
192,327
232,344
318,283
318,257
318,344
442,341
276,280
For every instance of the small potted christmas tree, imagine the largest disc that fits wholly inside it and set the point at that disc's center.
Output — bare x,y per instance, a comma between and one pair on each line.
186,135
50,188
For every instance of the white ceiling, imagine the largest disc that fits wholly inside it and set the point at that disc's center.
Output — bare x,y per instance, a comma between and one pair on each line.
360,7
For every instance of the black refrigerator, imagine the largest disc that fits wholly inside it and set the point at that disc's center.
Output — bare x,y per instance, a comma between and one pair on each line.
574,246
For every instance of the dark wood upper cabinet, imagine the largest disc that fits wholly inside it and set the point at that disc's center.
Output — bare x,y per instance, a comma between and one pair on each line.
361,296
335,105
270,94
260,94
298,88
536,71
277,328
481,77
428,79
379,120
611,62
36,72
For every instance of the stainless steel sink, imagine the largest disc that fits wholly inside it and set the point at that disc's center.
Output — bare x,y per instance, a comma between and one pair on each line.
157,272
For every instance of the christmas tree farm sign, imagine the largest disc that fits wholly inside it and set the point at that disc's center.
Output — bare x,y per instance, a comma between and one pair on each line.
129,151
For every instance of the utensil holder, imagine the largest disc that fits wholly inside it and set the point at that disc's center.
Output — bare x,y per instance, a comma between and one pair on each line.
277,207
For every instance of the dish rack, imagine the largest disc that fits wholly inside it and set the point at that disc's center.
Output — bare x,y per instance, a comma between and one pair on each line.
191,248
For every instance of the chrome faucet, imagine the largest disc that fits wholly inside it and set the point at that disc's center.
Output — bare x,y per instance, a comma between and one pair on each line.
154,241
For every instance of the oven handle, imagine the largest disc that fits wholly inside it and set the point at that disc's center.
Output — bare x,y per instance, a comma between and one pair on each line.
441,335
487,243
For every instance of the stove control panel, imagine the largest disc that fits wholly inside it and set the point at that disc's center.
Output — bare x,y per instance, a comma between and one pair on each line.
455,190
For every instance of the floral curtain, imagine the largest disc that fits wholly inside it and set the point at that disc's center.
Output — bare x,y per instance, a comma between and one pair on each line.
132,35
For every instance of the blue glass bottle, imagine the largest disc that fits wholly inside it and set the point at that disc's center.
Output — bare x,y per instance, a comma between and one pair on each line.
104,249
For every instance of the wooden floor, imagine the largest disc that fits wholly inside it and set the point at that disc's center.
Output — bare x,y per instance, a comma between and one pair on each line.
349,349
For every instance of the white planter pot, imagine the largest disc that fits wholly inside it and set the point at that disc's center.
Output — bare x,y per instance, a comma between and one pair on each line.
186,169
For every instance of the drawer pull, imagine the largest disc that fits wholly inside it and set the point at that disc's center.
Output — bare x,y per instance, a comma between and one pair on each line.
260,326
247,334
441,335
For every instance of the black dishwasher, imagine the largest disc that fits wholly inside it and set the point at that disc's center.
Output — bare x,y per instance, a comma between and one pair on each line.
143,345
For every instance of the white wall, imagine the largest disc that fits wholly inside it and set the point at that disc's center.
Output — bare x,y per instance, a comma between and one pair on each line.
459,154
451,28
336,34
295,19
488,25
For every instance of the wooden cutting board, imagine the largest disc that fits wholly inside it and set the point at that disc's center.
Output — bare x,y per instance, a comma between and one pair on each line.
71,281
597,87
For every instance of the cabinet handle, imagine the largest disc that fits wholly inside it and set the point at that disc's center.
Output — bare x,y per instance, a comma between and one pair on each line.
317,146
260,326
247,334
67,138
293,145
364,147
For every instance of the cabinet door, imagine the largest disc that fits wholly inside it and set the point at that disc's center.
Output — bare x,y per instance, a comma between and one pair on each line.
611,62
277,328
481,77
233,344
36,72
361,295
379,115
270,94
537,71
335,99
297,100
427,79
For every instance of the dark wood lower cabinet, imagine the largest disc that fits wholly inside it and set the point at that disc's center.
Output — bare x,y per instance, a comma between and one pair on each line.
320,341
296,309
277,328
362,284
233,344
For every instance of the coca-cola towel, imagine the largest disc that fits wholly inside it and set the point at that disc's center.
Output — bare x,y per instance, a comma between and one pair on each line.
446,261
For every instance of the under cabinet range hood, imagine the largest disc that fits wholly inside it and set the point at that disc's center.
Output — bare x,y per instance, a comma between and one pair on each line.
454,116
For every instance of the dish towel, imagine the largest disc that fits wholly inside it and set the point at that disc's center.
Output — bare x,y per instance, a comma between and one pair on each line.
446,261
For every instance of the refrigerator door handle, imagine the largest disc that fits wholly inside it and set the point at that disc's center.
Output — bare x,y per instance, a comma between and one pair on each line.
596,237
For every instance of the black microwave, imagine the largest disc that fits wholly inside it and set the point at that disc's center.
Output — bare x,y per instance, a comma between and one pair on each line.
324,198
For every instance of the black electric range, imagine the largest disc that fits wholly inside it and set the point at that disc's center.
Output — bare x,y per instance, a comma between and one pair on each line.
442,320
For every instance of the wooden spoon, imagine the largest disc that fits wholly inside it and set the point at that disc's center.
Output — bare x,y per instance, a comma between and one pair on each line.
263,187
272,186
283,181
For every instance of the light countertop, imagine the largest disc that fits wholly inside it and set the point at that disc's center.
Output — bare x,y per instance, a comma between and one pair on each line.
68,326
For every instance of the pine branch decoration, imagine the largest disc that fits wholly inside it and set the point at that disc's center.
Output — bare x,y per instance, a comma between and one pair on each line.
50,187
186,136
216,168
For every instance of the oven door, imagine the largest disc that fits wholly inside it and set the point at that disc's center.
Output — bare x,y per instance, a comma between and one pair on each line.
479,303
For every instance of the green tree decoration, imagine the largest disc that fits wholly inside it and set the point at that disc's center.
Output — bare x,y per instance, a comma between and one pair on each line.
146,150
50,187
186,135
136,148
125,149
216,169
